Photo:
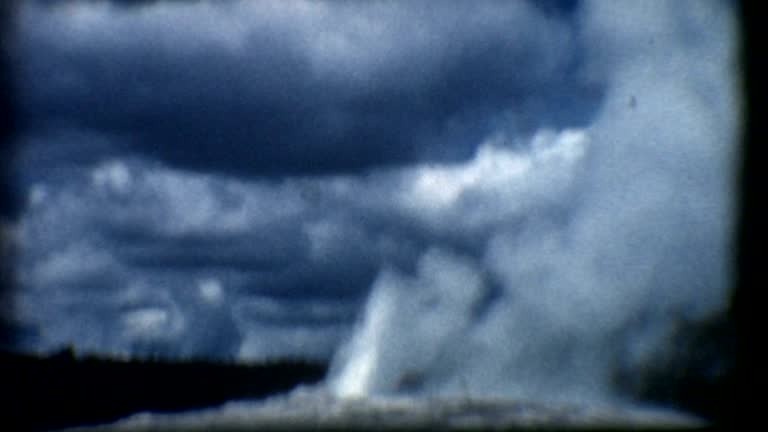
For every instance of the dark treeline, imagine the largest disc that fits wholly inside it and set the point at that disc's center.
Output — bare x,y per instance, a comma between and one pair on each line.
696,375
43,393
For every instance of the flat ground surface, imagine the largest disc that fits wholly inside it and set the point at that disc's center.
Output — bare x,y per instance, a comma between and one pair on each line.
315,410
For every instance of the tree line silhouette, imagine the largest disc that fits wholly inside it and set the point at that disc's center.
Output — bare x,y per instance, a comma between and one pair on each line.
62,390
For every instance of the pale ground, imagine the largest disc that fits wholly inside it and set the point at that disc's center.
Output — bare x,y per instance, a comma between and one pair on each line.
315,410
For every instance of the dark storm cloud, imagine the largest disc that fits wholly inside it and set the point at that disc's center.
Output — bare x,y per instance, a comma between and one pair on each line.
151,250
510,185
300,87
131,255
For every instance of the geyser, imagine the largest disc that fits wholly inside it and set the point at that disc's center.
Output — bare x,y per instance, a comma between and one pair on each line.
595,244
532,194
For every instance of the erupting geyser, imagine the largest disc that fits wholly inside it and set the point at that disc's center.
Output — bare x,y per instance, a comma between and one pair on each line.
447,201
595,244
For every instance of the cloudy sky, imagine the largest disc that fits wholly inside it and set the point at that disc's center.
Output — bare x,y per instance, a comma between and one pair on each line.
425,193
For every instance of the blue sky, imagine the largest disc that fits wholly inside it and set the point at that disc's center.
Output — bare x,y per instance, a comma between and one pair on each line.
481,191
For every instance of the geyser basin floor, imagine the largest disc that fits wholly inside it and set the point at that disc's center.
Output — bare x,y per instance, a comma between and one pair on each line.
316,409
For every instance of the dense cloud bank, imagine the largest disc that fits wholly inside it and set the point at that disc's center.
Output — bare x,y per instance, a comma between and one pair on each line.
498,197
267,88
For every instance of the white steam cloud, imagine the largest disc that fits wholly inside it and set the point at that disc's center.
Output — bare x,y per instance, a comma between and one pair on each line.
643,245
